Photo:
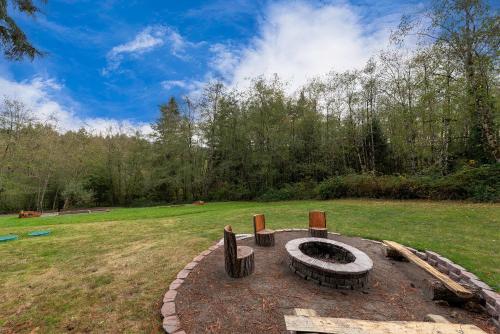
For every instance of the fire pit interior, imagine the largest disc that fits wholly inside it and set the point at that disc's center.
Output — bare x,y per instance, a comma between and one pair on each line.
328,262
327,252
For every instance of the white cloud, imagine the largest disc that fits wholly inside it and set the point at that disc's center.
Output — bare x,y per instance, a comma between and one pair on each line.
298,41
149,39
144,41
169,84
38,94
178,44
225,59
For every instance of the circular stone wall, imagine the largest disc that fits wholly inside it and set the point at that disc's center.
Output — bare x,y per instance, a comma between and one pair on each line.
328,262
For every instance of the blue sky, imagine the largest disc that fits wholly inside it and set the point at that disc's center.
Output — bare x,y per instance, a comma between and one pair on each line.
113,62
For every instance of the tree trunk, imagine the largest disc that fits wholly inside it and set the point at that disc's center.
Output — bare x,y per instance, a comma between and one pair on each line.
265,239
435,290
318,233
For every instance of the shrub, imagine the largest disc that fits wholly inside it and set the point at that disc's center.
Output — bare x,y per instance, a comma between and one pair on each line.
229,192
332,188
75,195
299,190
474,183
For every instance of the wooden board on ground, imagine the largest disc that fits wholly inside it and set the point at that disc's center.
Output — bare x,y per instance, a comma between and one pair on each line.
456,288
305,312
353,326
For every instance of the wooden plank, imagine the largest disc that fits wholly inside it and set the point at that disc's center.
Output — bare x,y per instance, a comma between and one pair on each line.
354,326
456,288
305,312
436,318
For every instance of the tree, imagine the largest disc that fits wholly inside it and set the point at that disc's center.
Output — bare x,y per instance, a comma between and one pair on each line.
470,29
13,40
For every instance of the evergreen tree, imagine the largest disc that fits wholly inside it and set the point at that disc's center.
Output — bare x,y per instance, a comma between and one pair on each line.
14,42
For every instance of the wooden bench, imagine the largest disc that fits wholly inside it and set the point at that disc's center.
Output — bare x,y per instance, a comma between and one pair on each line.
317,224
239,260
304,323
263,237
456,289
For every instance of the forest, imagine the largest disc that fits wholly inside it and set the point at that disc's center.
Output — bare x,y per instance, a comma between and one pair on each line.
419,122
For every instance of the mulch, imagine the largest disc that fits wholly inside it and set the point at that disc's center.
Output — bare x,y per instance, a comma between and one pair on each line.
211,302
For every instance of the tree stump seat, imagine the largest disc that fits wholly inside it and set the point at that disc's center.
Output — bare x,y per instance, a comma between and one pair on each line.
318,232
263,236
243,252
317,224
266,231
238,260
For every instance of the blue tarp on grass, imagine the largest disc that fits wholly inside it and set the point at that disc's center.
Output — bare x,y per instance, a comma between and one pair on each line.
38,233
10,237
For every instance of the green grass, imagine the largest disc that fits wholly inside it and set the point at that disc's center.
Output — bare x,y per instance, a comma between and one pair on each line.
107,272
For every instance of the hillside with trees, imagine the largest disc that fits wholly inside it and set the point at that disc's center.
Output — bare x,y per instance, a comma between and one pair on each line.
419,124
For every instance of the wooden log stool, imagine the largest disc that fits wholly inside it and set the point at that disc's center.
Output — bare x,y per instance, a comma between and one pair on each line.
263,236
239,260
317,224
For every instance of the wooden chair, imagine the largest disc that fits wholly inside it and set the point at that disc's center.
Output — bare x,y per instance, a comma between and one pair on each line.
317,224
239,260
263,236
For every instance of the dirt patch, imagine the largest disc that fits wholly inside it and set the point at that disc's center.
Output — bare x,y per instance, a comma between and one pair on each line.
211,302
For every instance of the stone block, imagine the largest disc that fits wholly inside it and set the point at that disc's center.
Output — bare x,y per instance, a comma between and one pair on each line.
480,284
183,274
490,309
453,268
491,297
198,258
309,278
178,281
454,276
191,265
170,296
432,255
413,250
171,324
421,255
174,286
328,285
168,309
468,276
443,261
432,262
443,268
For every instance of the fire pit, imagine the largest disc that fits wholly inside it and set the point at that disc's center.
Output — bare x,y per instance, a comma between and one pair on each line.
328,262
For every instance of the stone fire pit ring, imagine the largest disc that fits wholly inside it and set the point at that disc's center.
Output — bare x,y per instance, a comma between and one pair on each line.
329,263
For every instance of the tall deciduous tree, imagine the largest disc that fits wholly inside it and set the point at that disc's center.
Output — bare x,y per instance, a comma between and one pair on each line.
470,31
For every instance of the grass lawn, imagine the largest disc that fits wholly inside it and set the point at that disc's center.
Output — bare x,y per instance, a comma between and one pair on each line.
107,272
